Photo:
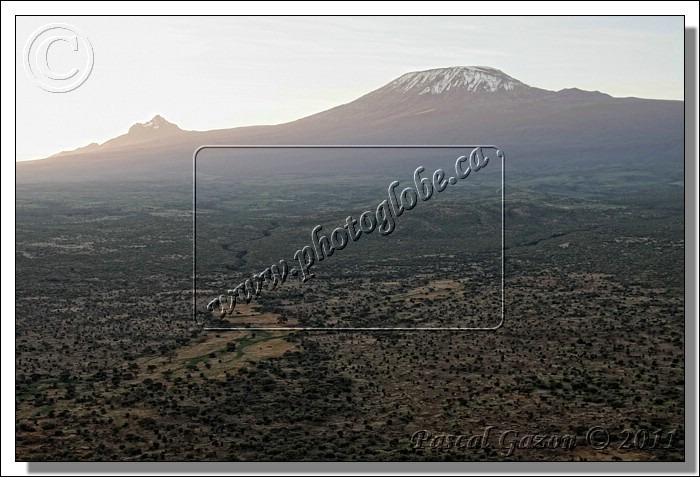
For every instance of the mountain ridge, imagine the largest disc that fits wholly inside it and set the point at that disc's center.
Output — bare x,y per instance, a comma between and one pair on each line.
473,80
458,105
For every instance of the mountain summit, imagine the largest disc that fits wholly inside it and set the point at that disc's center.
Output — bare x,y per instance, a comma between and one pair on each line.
457,78
155,129
158,125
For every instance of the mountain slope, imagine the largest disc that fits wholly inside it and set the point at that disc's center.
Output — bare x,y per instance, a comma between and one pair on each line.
456,105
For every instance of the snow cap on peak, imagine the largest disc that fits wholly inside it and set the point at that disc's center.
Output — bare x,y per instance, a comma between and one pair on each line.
469,78
157,123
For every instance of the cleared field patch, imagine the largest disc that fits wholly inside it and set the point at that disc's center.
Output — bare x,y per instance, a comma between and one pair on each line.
214,355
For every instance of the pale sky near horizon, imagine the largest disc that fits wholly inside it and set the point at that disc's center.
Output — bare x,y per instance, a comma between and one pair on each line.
221,72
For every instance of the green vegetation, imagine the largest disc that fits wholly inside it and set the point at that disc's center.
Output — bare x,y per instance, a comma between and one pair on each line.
110,366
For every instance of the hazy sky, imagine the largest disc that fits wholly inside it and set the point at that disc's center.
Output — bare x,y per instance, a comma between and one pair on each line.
213,73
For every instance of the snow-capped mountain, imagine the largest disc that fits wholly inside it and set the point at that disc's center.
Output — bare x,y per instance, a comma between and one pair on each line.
457,78
454,105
